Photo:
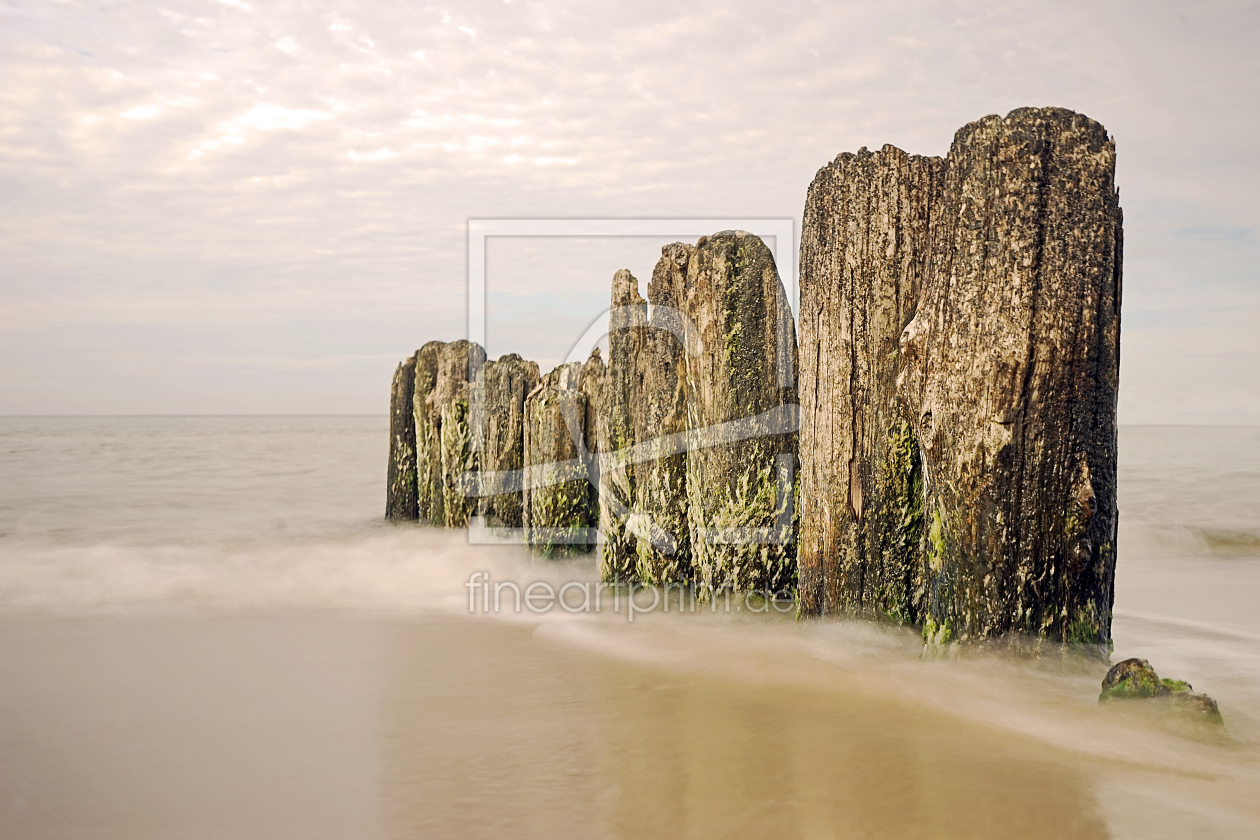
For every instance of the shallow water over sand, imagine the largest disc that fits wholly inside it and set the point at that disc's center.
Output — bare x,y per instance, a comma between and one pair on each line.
206,632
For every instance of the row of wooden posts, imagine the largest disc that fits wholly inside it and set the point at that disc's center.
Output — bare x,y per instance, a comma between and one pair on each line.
938,449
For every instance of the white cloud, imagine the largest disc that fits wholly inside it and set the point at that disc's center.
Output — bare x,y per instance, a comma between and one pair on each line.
539,161
141,112
356,168
271,117
371,157
262,117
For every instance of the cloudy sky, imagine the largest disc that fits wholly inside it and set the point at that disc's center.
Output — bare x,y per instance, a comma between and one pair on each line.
239,206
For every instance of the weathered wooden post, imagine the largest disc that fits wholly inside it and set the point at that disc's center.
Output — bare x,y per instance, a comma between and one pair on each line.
429,496
448,422
741,417
499,436
557,505
663,545
868,226
1011,371
400,488
621,406
593,383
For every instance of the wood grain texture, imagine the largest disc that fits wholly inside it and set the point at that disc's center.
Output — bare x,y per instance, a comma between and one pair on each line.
498,427
865,248
960,473
1011,377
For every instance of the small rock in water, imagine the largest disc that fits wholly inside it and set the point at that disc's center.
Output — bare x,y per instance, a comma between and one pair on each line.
1131,678
1135,679
1199,706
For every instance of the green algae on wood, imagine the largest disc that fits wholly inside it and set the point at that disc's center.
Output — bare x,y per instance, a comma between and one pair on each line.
445,430
400,498
743,376
620,409
558,507
868,225
663,548
429,496
498,427
1010,376
975,300
459,459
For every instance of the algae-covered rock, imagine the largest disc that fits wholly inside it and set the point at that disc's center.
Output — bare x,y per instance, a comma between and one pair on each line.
1135,679
865,245
499,436
1132,678
400,493
1196,707
741,417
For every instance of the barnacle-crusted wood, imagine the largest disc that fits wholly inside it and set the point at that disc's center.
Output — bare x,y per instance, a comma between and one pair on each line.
663,545
429,506
1010,378
498,428
744,371
557,495
620,410
400,492
448,415
864,256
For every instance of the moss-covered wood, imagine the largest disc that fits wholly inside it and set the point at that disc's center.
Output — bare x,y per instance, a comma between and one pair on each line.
962,476
448,448
1010,376
865,246
400,493
622,404
429,495
558,505
593,383
744,371
498,427
662,538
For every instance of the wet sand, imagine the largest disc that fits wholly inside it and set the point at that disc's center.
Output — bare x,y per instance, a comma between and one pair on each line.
343,726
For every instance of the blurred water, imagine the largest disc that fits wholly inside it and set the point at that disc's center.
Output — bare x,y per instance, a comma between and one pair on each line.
150,479
1191,491
169,581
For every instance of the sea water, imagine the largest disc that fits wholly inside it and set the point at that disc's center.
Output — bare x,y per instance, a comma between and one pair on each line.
206,630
